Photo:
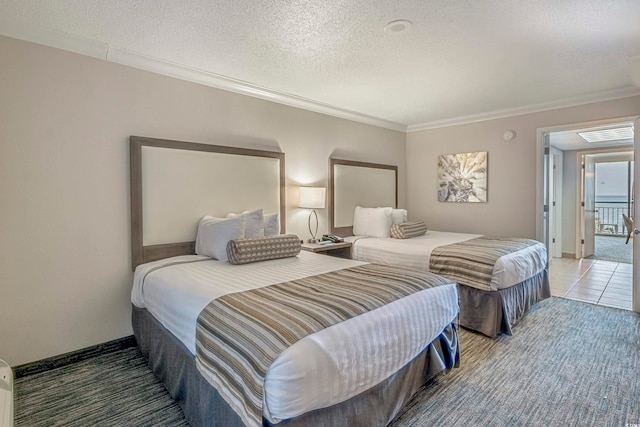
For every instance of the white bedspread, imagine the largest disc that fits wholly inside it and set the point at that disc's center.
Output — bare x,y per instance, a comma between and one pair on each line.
415,253
322,369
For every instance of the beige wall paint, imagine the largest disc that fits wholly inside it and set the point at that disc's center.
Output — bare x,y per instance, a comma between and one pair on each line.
510,209
65,119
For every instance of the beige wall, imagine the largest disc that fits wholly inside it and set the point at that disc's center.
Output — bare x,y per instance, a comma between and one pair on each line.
65,119
511,206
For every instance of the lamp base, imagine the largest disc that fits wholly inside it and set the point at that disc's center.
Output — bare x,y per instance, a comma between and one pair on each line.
312,240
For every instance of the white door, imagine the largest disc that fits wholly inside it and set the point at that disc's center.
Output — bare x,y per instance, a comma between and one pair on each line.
555,219
589,206
636,216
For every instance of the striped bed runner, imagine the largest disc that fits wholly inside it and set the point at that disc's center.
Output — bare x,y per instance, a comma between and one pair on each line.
239,335
471,262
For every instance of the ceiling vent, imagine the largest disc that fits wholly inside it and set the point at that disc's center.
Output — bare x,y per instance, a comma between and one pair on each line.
616,134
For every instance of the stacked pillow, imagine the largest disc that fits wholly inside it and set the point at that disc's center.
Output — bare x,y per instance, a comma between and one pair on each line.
215,233
376,222
386,222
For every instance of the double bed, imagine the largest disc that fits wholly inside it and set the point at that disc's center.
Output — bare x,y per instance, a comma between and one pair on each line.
365,339
499,278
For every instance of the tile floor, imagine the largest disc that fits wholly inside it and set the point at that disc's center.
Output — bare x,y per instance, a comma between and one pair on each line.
593,281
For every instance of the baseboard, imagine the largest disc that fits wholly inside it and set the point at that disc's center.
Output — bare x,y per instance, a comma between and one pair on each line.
73,357
568,255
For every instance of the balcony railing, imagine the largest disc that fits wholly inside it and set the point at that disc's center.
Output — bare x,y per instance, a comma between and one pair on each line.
609,219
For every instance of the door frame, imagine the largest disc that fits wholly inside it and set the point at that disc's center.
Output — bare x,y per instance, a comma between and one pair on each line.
541,136
540,158
580,223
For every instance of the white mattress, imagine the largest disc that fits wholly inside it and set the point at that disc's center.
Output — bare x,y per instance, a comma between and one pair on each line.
415,253
322,369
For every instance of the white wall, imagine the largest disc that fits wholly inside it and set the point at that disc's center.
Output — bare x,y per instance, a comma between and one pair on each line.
65,120
511,206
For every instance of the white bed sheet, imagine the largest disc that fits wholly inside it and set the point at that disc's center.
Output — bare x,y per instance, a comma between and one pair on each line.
415,253
322,369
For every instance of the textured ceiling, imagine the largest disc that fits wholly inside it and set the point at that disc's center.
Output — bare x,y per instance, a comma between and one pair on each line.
461,58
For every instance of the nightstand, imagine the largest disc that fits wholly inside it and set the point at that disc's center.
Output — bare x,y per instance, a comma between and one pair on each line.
340,250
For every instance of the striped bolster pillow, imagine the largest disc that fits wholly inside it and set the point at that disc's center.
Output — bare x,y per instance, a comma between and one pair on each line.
243,251
408,229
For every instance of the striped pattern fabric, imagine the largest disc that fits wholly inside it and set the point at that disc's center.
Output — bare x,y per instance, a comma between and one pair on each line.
244,251
409,229
240,335
471,262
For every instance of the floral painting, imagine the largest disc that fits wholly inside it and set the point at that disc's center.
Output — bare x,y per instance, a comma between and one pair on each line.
462,177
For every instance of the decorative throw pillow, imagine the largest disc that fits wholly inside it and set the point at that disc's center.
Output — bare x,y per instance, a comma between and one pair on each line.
214,234
374,222
254,226
398,216
272,224
408,229
244,251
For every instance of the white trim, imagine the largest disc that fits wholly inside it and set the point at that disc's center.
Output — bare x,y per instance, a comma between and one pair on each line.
154,65
540,132
15,28
536,108
11,27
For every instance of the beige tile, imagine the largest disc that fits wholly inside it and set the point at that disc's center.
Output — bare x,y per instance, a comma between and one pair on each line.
617,293
558,292
622,277
626,305
617,283
605,264
598,276
590,301
591,283
586,294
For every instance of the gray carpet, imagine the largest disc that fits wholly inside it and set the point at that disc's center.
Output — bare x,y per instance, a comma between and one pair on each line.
115,389
567,364
612,248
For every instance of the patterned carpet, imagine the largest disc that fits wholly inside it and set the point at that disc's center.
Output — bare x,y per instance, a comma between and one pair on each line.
613,248
567,364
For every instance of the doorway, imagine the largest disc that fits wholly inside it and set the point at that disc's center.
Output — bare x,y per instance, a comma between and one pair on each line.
580,265
611,197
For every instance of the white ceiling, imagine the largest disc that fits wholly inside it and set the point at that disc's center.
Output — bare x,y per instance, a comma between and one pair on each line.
463,60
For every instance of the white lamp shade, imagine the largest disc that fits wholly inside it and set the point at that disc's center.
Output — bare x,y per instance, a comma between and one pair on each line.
312,197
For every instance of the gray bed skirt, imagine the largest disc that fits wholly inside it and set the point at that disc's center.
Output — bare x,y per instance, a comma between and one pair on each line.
203,406
496,312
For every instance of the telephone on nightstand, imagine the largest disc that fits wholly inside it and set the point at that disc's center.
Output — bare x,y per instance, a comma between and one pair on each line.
332,238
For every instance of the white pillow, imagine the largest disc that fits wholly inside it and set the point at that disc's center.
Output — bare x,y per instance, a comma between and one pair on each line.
214,234
374,222
399,216
254,226
272,224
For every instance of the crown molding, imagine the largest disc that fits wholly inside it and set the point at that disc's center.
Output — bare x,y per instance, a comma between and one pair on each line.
154,65
14,28
536,108
17,29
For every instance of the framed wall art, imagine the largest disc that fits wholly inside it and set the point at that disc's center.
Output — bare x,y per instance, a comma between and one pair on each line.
462,177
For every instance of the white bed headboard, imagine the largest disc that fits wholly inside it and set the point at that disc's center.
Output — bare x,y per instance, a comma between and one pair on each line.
352,184
174,184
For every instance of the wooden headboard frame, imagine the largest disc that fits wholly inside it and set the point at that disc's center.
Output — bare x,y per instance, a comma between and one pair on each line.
141,254
348,231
